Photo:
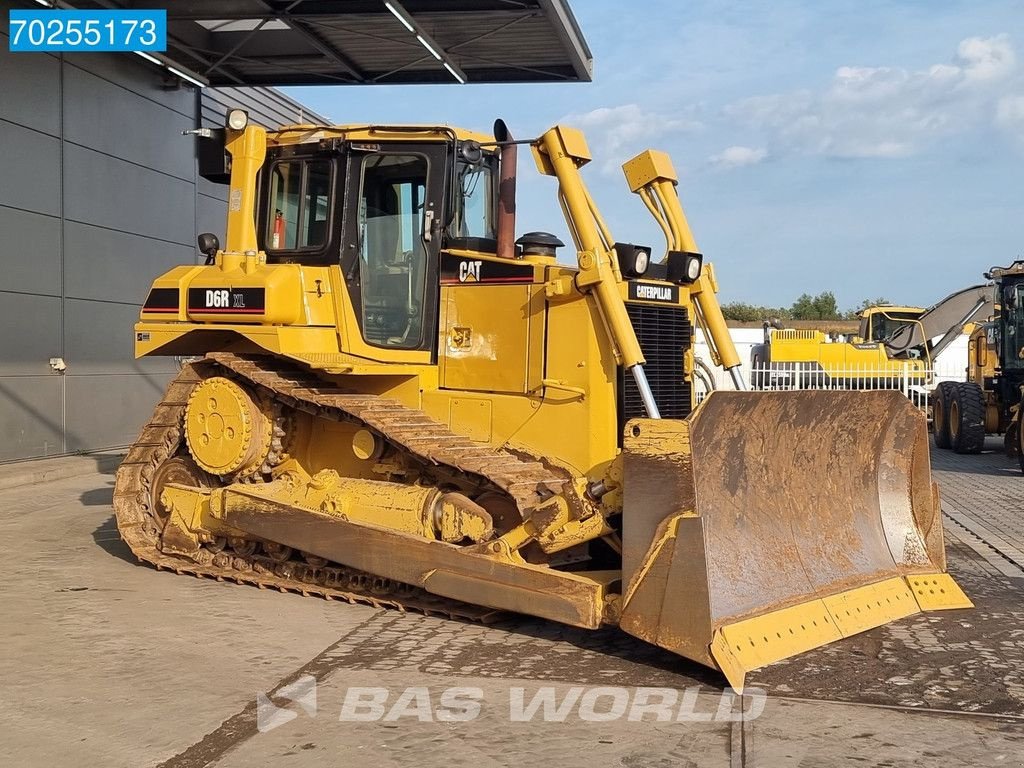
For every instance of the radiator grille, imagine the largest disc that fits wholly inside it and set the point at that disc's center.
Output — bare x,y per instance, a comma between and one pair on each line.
664,334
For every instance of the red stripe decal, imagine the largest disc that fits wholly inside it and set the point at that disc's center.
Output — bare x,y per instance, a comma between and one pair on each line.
451,281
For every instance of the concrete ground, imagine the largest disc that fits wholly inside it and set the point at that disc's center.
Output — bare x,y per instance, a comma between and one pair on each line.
110,663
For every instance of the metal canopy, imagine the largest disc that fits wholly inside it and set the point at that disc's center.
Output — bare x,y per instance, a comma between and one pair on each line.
364,42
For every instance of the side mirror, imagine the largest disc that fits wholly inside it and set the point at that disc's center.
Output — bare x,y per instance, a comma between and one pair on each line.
209,245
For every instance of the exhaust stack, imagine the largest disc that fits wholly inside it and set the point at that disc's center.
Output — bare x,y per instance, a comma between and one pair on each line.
506,192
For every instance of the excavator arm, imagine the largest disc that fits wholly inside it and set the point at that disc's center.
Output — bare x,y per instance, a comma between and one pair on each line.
945,319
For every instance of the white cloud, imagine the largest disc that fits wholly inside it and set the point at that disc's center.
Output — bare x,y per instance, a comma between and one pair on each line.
1010,115
737,156
989,58
886,112
614,133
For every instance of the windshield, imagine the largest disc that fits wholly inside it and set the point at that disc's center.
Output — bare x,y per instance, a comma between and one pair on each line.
884,325
1013,338
474,201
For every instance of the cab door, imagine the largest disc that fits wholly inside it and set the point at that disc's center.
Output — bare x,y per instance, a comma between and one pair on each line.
394,212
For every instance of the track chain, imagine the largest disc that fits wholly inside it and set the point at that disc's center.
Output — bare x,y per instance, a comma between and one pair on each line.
432,444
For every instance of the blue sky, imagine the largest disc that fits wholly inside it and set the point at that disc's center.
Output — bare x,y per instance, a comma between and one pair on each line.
872,148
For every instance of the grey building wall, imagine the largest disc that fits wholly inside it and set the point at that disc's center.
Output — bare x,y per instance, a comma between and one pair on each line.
98,195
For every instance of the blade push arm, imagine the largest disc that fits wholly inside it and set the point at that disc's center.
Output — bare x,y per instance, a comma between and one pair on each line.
560,152
651,176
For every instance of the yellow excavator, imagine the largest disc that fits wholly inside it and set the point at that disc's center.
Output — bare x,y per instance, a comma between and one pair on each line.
392,400
895,347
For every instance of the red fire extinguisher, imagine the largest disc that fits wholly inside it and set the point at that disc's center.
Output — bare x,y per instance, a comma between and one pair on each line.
278,237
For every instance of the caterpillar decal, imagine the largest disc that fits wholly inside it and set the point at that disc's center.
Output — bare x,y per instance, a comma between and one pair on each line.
461,270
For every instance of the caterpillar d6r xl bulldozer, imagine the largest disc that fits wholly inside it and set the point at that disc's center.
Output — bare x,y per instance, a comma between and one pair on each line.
392,400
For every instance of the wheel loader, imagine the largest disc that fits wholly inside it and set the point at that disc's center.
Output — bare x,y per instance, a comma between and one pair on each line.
390,399
988,402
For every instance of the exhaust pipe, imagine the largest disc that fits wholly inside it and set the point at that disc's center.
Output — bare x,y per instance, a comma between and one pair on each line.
506,192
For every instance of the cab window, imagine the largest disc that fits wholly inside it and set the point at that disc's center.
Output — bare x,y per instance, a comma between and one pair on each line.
888,324
300,205
475,201
392,257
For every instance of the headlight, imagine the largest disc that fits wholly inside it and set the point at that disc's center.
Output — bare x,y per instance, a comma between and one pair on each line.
643,260
684,267
633,259
238,119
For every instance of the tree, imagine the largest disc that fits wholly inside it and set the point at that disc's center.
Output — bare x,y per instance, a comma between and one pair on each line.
868,303
742,312
820,307
854,314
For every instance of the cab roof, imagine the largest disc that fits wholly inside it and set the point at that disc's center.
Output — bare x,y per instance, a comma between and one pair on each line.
886,308
305,133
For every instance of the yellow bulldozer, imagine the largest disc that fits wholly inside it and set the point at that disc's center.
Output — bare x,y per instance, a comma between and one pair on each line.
392,400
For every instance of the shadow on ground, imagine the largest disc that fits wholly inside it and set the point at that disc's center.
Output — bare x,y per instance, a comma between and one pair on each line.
98,497
107,463
109,540
992,461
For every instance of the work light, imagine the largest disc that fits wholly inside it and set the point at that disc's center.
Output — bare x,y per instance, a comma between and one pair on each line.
633,259
684,267
238,119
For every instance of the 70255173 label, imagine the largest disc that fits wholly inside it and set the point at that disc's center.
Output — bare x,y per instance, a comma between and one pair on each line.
73,31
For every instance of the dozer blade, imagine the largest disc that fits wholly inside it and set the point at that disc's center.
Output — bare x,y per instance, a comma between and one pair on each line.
770,523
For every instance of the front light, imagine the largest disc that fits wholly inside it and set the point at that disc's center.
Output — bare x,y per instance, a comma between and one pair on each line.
643,260
238,119
633,259
684,267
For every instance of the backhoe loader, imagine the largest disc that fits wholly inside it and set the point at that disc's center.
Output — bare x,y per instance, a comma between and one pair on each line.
394,401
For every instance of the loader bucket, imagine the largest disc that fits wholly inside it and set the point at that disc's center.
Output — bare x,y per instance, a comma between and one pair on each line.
770,523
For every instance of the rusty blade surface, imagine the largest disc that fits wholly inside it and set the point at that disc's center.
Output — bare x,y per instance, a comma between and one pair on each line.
809,494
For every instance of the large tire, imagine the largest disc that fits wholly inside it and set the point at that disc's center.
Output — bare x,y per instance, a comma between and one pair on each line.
1011,440
1017,449
941,400
967,419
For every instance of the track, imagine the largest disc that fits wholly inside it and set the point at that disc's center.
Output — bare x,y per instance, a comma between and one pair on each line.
441,454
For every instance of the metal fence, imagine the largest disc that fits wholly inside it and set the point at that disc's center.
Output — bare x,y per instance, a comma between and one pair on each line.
916,384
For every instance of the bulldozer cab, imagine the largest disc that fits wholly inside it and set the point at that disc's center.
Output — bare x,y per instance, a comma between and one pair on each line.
377,209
